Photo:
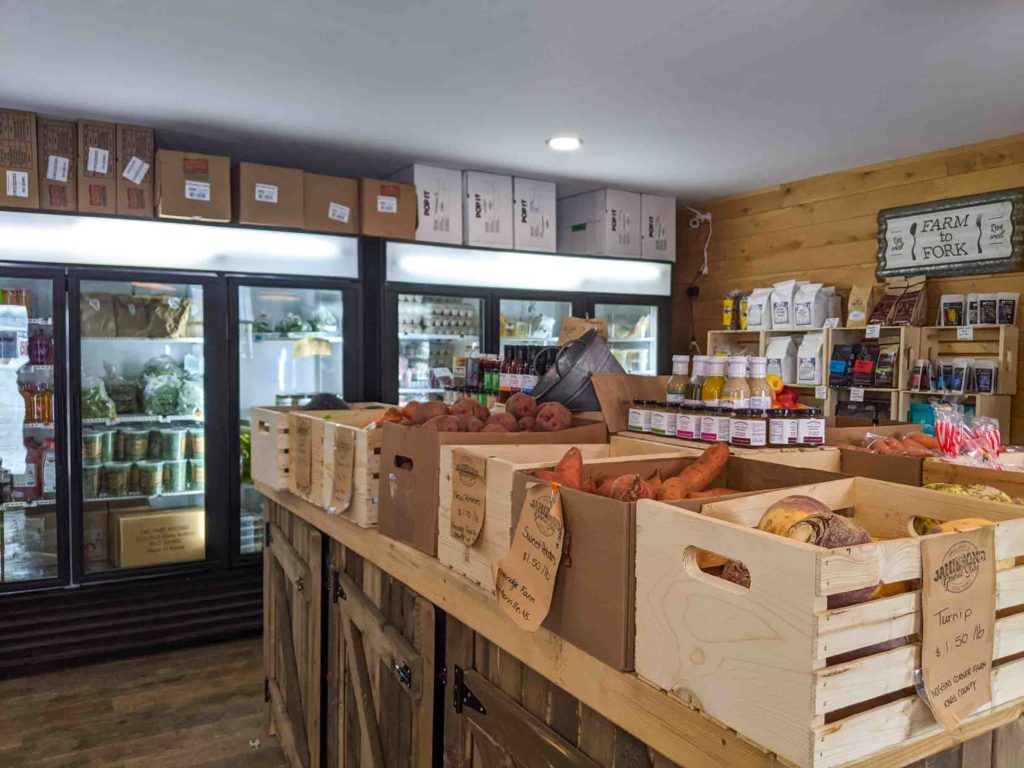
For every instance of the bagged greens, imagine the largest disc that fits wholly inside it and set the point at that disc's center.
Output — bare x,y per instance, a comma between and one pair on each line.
96,404
160,395
292,323
123,392
190,397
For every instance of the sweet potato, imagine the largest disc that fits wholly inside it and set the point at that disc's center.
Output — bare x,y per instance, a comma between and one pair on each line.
698,475
468,422
527,424
655,483
672,489
520,405
589,486
553,417
494,426
926,440
391,414
711,492
427,411
737,573
627,488
442,423
505,419
568,471
410,408
470,407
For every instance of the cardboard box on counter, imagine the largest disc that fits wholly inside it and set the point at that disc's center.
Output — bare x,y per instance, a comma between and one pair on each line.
410,472
438,202
330,204
487,209
193,186
594,601
387,209
58,165
135,158
269,196
658,228
534,214
97,167
157,537
18,159
605,222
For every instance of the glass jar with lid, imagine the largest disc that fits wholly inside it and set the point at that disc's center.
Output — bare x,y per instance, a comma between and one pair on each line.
639,416
783,428
714,424
688,422
748,428
711,390
735,389
810,427
663,419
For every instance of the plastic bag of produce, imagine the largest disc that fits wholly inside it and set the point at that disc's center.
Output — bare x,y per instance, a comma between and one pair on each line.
323,320
190,398
160,395
96,403
292,323
164,365
124,392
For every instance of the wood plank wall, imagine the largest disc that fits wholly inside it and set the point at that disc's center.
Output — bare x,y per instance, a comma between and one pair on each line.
823,229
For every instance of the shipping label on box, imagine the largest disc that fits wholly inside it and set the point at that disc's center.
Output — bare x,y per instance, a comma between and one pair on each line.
19,185
58,165
97,167
331,203
270,196
487,209
387,209
658,230
135,158
534,213
153,538
193,186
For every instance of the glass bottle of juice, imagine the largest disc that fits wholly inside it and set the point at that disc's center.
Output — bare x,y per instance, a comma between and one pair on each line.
679,382
735,390
711,390
760,389
700,372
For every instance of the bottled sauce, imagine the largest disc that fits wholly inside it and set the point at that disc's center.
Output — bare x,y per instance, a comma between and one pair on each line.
711,389
679,382
505,376
735,390
515,377
760,389
529,377
696,384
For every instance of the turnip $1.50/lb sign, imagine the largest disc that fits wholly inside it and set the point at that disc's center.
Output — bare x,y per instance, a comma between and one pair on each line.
961,236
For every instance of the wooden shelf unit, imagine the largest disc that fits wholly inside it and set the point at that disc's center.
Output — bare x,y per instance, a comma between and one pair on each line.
997,343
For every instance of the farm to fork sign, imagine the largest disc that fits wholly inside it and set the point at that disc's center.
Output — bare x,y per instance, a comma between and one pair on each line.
961,236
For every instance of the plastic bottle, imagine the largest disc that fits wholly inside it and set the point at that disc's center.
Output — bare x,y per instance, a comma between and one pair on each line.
735,390
760,389
505,376
700,372
711,389
530,377
679,382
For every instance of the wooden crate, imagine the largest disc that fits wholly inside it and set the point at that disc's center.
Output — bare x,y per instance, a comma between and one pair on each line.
997,406
757,659
812,457
362,507
1008,481
997,343
271,463
503,462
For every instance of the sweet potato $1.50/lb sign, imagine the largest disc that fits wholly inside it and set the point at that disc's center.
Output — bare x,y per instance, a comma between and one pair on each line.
524,579
958,608
469,496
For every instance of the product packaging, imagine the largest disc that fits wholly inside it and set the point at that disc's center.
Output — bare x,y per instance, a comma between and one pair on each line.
911,307
808,369
985,372
863,298
810,306
1006,309
605,222
19,161
759,309
783,294
192,186
864,365
781,353
97,167
487,209
883,311
58,165
885,368
269,196
834,304
988,308
135,159
438,202
658,228
331,204
387,209
951,309
840,366
972,309
533,215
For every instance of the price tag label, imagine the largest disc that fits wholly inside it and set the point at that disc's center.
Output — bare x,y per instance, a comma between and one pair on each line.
831,322
469,496
344,469
856,394
820,393
958,623
872,331
965,333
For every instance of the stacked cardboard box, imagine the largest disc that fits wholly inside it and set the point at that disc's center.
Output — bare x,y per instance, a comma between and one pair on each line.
18,159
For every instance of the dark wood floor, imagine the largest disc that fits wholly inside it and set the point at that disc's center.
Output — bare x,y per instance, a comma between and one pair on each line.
197,707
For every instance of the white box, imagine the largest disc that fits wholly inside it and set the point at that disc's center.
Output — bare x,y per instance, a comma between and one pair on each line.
658,230
438,202
605,222
487,209
534,212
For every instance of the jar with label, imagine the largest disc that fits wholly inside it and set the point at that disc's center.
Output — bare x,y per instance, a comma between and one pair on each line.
760,389
748,428
639,416
151,477
711,390
810,427
688,421
783,429
697,377
663,419
735,390
679,382
714,424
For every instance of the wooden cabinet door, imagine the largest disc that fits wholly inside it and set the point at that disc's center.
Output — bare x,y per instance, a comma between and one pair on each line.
292,579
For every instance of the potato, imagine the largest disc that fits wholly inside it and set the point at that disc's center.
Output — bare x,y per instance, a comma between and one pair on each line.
506,419
520,405
391,414
737,573
527,424
410,408
428,411
553,417
494,426
470,407
469,423
442,423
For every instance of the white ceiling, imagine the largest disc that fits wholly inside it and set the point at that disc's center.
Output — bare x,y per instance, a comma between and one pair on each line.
696,98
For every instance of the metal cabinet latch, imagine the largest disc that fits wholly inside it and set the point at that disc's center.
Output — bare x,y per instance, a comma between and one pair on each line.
404,674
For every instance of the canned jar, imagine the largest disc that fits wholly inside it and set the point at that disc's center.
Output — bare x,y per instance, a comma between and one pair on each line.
688,422
748,428
664,419
640,416
810,427
714,425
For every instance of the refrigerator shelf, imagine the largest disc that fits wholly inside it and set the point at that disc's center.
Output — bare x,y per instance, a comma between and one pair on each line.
37,369
548,340
13,506
135,418
424,390
627,340
143,497
333,339
40,321
145,339
38,425
437,337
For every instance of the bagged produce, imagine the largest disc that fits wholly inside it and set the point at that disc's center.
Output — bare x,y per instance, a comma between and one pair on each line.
168,317
323,320
123,392
292,323
191,398
163,365
97,315
160,395
132,315
96,403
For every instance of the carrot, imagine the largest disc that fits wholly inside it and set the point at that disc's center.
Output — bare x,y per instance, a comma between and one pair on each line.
672,489
700,473
926,440
655,482
711,492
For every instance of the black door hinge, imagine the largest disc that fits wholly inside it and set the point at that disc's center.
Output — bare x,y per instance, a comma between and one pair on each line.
337,591
267,538
463,697
266,689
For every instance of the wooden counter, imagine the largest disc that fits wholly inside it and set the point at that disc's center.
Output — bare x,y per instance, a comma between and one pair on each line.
681,734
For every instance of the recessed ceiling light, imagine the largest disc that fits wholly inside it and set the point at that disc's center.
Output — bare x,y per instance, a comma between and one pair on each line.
564,143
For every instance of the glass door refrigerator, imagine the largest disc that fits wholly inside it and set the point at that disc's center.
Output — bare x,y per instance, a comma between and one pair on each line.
289,336
33,440
147,358
637,333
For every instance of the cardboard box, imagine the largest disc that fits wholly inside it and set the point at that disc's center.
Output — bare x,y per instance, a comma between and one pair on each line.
193,186
534,212
18,159
269,196
330,203
658,228
97,167
387,209
438,202
593,606
135,157
58,165
157,537
487,209
605,222
410,472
